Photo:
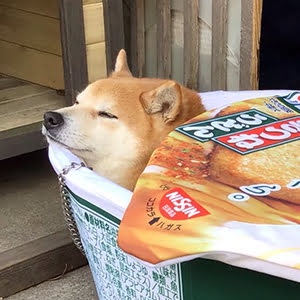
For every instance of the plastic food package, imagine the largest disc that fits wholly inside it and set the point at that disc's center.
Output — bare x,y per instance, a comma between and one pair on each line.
226,182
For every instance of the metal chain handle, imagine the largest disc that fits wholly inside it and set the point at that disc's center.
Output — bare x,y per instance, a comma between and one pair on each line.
66,205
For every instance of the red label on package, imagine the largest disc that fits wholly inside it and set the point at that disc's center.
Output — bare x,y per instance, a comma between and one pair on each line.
263,137
176,204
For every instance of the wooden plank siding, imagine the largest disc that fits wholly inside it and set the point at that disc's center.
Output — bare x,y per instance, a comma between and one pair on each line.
95,39
42,33
96,61
204,28
191,44
30,30
246,45
163,35
85,2
47,8
219,45
250,37
32,65
93,23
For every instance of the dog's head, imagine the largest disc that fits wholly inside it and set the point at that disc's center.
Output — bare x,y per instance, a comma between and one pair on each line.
116,123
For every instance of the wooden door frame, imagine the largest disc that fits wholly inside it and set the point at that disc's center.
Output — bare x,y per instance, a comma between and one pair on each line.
73,48
117,36
114,31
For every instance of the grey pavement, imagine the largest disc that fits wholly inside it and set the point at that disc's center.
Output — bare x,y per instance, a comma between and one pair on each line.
76,285
30,205
30,208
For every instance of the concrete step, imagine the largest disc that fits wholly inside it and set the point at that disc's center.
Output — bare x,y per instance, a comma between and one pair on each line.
30,205
75,285
34,242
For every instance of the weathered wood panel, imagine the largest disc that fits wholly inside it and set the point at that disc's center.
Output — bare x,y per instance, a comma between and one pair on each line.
30,30
22,106
140,5
163,12
43,33
20,91
150,39
250,37
224,61
73,48
91,1
219,44
93,23
96,61
17,108
31,65
8,82
246,45
42,7
257,15
114,31
191,44
138,38
25,112
233,45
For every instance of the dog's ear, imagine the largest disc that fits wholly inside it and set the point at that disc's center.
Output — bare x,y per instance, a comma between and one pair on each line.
121,67
165,99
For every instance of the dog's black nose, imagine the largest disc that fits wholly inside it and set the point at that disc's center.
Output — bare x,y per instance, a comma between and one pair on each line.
53,119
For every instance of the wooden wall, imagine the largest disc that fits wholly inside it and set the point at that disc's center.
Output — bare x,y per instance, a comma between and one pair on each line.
30,46
95,39
204,44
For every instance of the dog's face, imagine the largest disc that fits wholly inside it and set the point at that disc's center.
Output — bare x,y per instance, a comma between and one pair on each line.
116,123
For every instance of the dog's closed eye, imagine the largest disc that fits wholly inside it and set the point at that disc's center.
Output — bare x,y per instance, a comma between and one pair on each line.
106,115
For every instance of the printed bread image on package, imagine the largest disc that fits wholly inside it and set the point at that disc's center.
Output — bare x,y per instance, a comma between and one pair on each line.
227,181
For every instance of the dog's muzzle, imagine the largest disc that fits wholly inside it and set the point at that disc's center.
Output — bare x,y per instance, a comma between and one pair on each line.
53,120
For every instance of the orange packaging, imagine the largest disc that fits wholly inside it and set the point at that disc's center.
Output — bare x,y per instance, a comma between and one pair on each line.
227,181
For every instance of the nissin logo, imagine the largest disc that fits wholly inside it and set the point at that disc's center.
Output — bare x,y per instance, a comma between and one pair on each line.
176,204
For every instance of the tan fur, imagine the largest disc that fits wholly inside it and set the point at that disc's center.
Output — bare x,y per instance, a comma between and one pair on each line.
147,110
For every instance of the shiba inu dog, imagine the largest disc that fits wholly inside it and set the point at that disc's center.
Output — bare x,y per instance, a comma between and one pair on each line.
117,122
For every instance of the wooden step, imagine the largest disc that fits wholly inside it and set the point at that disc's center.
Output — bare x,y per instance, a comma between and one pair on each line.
22,106
7,82
34,242
37,261
21,91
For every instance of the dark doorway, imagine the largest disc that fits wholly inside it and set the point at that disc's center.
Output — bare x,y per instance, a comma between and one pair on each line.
280,45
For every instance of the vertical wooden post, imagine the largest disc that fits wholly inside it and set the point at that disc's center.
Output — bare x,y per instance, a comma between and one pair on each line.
250,38
257,15
114,31
246,45
219,44
191,43
73,47
163,12
138,37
